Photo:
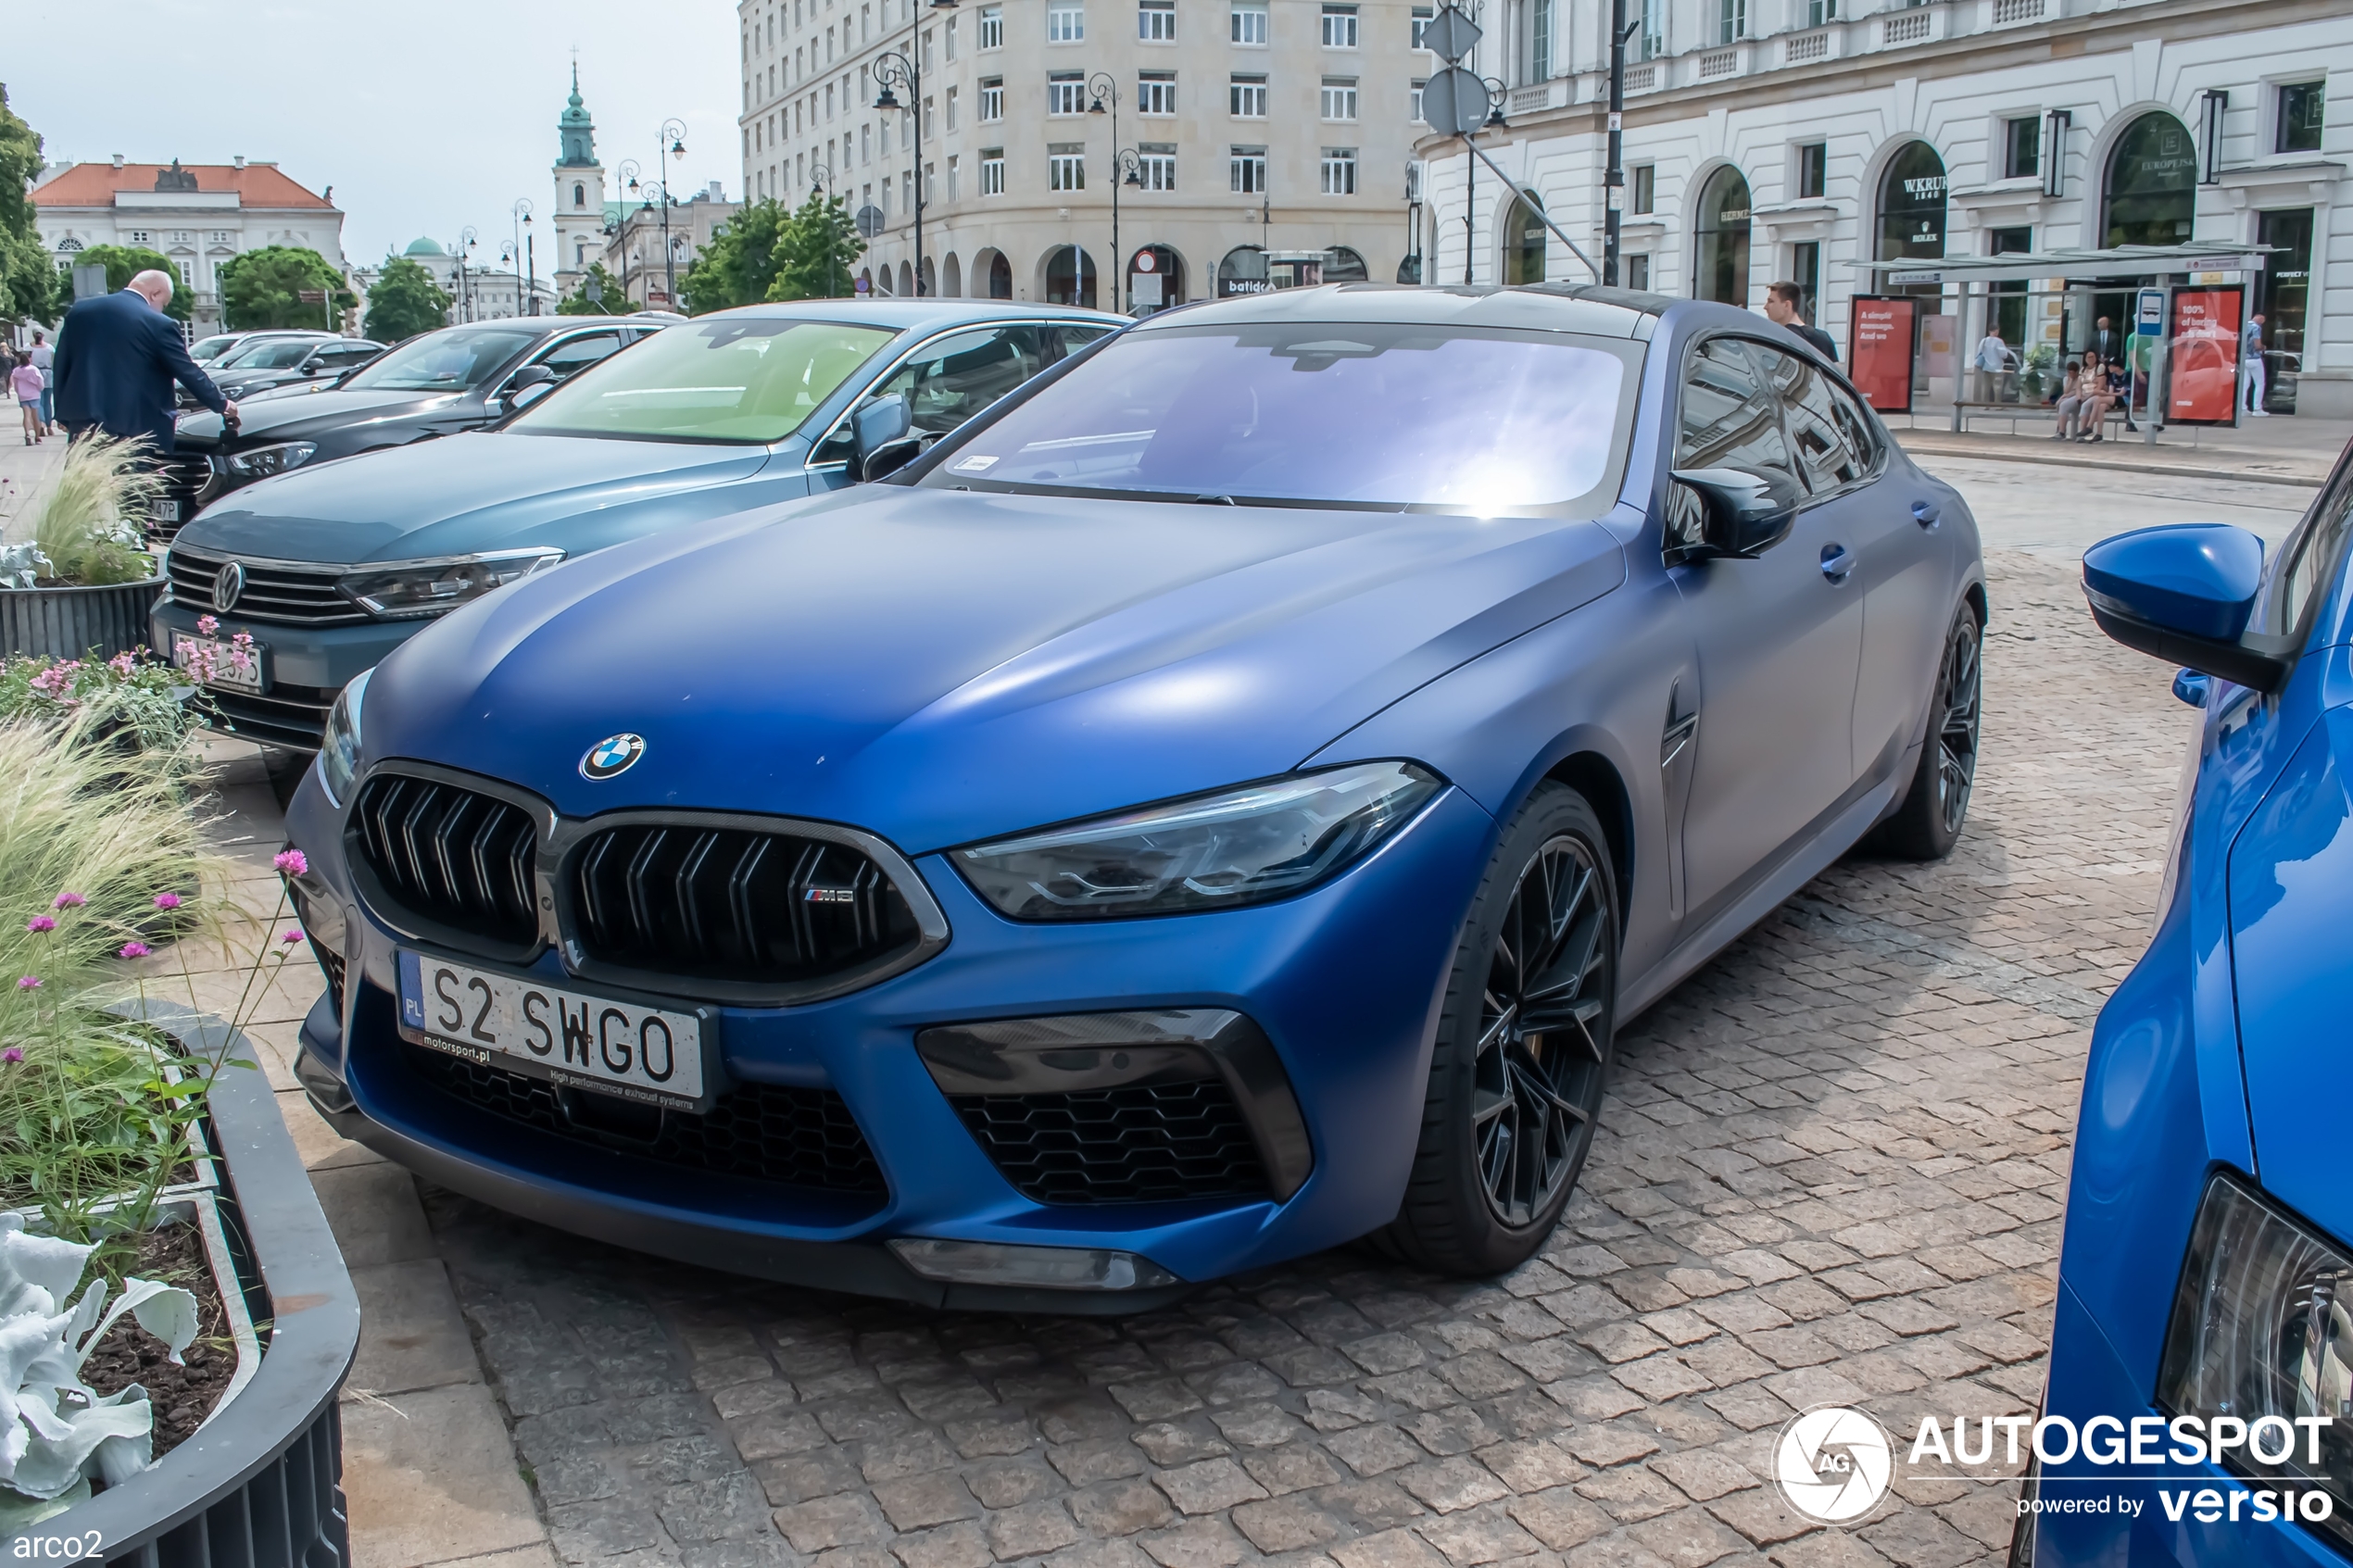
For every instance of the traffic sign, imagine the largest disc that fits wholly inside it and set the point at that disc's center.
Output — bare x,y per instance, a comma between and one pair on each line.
1145,261
870,220
1450,35
311,296
1455,102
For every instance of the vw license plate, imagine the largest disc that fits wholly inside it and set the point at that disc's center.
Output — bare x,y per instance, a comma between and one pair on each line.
639,1053
214,662
163,512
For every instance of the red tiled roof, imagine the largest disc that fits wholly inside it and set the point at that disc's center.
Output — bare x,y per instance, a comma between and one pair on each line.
94,184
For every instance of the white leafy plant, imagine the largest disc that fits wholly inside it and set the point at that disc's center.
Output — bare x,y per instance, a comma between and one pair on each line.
56,1432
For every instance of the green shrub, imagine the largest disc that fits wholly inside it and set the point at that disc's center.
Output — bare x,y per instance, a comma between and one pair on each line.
90,520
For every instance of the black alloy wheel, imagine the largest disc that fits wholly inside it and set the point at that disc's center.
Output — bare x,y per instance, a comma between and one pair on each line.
1523,1048
1928,822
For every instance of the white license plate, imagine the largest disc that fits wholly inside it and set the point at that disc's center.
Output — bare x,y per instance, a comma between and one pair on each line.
595,1042
217,663
163,512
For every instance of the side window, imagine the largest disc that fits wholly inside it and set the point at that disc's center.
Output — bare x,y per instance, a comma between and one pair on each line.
1062,341
949,381
1730,420
354,354
579,353
1826,457
2308,562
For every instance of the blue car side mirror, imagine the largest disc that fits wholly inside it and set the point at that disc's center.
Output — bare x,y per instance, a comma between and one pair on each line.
1739,513
886,437
2183,593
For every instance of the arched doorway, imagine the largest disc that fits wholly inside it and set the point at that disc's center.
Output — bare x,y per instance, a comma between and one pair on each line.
1523,234
1155,279
951,274
1001,275
2152,184
906,289
1722,272
1243,271
866,281
1070,277
1342,264
931,280
1911,204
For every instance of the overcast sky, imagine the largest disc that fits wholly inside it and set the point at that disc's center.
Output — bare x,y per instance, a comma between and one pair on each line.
424,119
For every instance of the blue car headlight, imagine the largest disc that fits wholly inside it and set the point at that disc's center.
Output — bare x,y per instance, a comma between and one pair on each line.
263,461
1239,846
339,754
2262,1341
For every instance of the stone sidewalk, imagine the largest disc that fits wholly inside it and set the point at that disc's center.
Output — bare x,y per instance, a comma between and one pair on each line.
1832,1169
2281,450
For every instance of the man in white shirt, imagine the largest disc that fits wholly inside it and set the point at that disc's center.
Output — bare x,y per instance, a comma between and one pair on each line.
43,360
1992,358
2251,367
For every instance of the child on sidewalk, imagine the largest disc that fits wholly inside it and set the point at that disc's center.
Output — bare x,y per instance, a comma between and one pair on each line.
26,381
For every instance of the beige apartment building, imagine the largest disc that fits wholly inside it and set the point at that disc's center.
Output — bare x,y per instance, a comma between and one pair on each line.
1255,143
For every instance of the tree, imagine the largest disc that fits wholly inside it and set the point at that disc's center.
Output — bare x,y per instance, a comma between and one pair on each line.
610,300
263,289
740,262
123,263
820,246
27,281
405,301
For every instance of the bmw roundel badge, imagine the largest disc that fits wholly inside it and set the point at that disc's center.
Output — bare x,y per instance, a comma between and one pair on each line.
613,755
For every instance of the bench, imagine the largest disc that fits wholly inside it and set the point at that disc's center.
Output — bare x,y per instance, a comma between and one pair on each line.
2044,414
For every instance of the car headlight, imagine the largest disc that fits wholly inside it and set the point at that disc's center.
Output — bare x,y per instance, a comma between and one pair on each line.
263,461
434,587
1239,846
339,756
2262,1334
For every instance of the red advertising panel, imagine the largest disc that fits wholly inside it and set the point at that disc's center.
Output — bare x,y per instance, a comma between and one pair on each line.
1878,352
2202,379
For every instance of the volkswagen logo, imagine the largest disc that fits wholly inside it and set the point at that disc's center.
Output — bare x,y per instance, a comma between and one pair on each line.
611,755
227,584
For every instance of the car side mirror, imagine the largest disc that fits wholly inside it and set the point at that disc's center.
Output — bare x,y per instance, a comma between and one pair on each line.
529,393
1739,514
312,367
530,375
2185,591
884,435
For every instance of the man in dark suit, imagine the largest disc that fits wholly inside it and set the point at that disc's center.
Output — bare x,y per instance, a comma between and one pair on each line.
117,355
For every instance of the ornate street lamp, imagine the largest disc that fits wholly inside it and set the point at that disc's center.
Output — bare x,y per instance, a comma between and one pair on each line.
672,143
820,183
898,67
628,172
529,303
1105,88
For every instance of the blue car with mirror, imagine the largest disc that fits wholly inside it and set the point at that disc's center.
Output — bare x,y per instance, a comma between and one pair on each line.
2206,1281
1217,804
329,567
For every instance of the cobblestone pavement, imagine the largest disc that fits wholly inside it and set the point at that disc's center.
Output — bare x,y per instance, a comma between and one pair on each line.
1831,1170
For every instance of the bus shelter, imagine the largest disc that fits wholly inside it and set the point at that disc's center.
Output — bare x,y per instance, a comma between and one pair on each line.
1999,331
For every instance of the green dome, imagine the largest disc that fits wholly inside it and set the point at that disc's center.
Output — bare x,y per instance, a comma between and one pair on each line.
423,246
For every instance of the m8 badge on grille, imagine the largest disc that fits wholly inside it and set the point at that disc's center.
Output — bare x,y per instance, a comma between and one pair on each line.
610,755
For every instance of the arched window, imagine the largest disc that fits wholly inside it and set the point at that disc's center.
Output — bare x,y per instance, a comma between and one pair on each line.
2152,184
951,272
1722,227
1524,240
1342,264
579,197
1911,204
1243,271
1070,277
1000,277
906,288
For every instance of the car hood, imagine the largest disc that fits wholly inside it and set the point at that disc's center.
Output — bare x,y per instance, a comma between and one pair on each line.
940,666
286,419
463,493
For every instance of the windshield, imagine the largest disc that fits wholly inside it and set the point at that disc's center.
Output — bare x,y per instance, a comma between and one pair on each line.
273,354
207,349
443,361
1346,413
732,377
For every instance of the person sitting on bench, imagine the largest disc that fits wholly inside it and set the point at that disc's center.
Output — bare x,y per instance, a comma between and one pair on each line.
2070,401
2099,397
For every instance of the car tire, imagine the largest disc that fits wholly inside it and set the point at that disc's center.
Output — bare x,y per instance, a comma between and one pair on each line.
1510,1111
1928,823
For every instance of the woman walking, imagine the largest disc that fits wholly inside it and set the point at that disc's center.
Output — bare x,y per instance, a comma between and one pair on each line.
27,382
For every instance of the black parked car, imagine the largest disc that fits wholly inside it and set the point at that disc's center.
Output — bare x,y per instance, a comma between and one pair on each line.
267,361
439,383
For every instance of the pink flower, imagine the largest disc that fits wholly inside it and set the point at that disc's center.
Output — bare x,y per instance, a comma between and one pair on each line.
293,862
40,923
28,983
68,901
134,951
208,624
122,664
11,1055
166,900
291,938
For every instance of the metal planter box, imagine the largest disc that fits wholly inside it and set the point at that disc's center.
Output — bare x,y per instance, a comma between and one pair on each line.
72,622
260,1484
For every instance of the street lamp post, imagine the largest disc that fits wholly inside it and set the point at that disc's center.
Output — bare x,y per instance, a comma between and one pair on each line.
1103,86
628,172
896,67
521,216
465,248
821,178
671,143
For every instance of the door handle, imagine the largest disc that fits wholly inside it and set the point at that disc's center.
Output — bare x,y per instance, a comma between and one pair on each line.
1837,562
1925,513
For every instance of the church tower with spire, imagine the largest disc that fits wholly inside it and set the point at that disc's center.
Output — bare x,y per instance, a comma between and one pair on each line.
580,195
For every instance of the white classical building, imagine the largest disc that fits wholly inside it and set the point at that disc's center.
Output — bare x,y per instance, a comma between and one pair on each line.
199,215
579,218
1804,139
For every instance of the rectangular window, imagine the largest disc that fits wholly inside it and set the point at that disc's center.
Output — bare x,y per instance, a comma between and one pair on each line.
1246,96
866,142
992,27
1806,271
1645,189
1540,39
2023,146
1813,169
829,100
952,40
992,99
1418,84
1156,21
907,190
931,126
993,171
1638,273
1340,171
2302,104
138,236
1339,97
953,164
1651,43
1156,92
1066,93
1248,22
1423,16
1339,27
1065,165
1732,20
952,108
1156,165
1820,11
1066,21
931,183
1247,167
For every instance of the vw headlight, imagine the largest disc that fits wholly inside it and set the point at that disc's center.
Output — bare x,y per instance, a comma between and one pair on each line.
1237,847
339,756
263,461
434,587
2262,1335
